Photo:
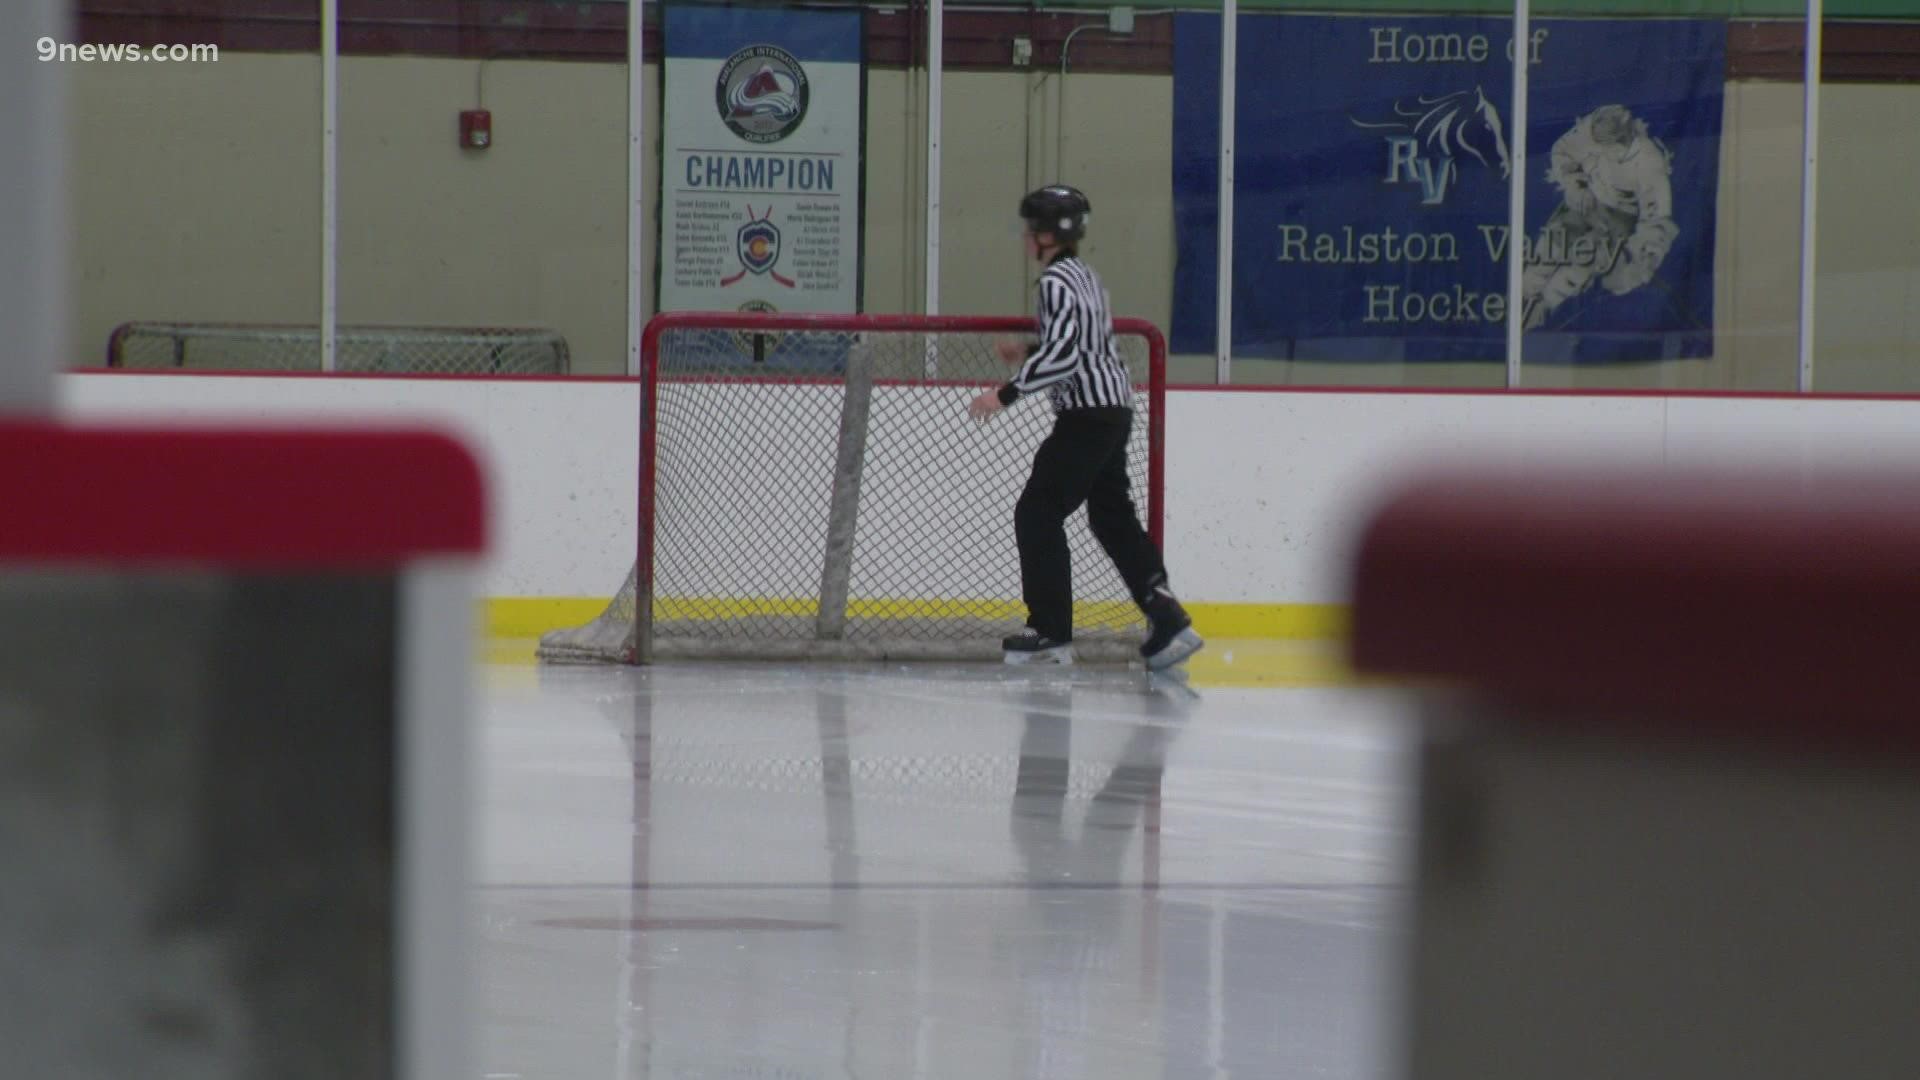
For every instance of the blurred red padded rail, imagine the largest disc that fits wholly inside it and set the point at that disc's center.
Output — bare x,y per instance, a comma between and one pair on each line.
307,497
1754,603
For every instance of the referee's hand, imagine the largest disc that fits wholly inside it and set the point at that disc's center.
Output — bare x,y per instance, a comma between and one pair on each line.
985,404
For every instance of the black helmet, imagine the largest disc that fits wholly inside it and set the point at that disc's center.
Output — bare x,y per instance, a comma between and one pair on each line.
1057,209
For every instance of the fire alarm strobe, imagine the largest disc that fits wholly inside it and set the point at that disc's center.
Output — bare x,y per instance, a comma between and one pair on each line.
476,129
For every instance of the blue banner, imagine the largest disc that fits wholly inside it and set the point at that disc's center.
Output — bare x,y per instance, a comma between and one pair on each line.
715,33
1370,205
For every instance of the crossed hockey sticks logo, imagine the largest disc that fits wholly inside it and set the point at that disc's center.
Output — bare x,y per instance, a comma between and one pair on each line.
758,245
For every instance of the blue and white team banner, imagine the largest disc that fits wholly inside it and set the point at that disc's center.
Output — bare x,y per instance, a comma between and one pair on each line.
760,160
1370,215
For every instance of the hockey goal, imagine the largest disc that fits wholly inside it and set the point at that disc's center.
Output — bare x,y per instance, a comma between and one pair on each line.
811,487
413,350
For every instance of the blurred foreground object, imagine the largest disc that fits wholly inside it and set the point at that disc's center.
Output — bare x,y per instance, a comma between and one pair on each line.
1670,780
233,693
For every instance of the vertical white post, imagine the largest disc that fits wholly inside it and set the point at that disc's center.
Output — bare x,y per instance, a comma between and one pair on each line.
33,216
1223,270
936,25
936,62
1809,173
329,176
1517,189
636,181
435,814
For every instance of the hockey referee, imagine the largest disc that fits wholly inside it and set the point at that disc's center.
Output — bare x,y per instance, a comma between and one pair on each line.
1084,460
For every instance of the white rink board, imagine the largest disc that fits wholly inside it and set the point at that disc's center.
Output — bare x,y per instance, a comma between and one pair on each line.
1266,492
562,459
1265,489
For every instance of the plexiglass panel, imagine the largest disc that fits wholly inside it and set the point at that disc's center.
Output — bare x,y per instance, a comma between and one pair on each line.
195,182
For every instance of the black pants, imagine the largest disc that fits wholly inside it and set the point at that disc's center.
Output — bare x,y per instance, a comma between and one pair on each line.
1083,461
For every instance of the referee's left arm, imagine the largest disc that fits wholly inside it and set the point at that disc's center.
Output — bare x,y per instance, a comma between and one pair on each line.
1058,355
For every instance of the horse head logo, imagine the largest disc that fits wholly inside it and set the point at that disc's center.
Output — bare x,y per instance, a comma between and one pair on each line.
1463,123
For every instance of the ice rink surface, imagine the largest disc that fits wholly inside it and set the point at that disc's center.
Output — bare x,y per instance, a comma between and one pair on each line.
892,872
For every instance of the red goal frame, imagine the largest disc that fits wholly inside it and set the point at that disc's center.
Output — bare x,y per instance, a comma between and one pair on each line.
661,324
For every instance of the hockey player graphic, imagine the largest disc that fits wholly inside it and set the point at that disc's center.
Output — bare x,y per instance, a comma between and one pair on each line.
1615,221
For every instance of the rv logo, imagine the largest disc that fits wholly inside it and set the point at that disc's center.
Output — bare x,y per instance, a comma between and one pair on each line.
1432,135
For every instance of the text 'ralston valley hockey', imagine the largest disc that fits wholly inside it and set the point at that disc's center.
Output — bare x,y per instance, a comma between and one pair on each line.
1389,303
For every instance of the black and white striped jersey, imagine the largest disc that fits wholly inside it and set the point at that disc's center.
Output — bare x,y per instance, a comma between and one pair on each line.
1076,361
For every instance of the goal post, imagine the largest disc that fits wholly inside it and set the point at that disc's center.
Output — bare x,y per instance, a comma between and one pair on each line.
844,508
811,488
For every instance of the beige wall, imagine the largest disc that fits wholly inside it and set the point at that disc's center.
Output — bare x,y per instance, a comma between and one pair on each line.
896,189
531,231
197,197
1867,291
196,193
1003,138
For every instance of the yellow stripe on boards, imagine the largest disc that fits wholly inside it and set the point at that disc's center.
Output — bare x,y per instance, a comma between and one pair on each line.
1289,622
531,616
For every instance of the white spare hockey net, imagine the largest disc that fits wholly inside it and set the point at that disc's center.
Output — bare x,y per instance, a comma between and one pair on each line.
812,487
410,350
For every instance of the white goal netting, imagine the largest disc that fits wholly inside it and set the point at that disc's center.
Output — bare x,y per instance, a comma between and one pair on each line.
813,487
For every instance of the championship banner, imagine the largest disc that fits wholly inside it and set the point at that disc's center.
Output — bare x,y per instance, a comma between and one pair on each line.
1370,215
761,160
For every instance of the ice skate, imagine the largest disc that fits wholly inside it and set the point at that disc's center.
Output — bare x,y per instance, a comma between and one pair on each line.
1170,635
1033,647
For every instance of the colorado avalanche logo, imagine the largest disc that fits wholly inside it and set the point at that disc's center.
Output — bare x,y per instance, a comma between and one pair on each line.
762,93
758,243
